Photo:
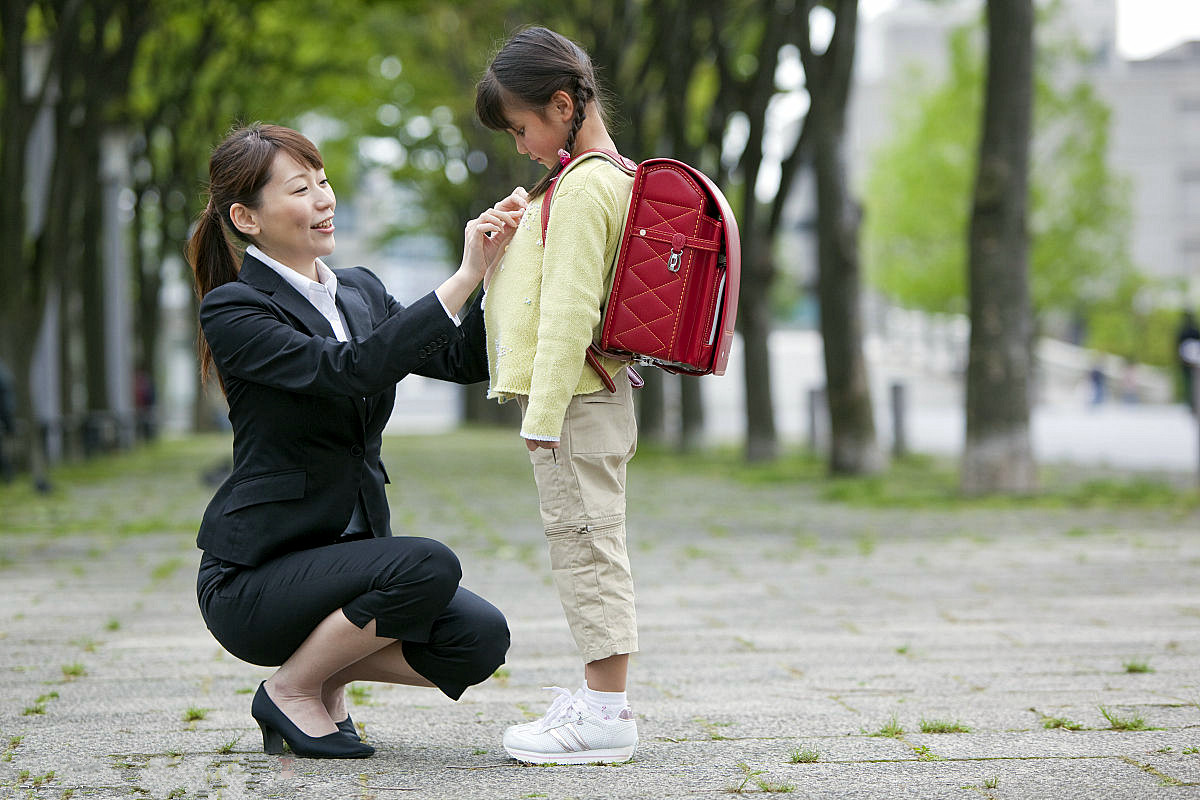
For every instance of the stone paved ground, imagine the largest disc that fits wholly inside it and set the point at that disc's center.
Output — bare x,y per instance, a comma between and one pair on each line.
774,624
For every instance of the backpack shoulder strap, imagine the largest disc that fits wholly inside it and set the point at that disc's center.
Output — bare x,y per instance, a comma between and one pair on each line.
622,163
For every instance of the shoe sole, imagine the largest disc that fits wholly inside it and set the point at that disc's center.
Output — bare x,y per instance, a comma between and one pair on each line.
614,755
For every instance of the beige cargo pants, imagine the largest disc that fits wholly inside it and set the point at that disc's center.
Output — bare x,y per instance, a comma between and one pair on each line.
581,491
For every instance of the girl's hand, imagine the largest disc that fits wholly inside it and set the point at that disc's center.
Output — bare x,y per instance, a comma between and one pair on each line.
534,444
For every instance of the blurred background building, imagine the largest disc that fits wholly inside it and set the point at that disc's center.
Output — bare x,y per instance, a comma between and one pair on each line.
1155,124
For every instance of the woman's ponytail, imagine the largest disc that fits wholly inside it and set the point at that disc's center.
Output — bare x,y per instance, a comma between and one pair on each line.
213,261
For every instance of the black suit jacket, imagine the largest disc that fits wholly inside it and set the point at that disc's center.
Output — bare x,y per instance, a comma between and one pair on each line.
308,411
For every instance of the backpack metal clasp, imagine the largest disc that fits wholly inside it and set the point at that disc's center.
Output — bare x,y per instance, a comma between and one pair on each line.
677,243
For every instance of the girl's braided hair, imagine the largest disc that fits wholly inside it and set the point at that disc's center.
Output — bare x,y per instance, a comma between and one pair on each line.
526,72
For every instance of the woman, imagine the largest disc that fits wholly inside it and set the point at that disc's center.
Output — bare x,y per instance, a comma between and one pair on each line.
300,570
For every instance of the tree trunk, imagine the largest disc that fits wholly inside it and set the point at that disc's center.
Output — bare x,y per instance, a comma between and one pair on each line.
754,319
89,271
853,446
478,409
22,304
998,456
146,268
691,413
651,407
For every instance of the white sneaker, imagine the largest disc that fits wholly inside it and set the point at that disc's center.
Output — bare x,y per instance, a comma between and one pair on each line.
571,734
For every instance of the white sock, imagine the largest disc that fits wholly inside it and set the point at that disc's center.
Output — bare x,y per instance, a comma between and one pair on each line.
606,705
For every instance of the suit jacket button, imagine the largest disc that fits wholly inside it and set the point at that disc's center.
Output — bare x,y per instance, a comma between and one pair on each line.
356,451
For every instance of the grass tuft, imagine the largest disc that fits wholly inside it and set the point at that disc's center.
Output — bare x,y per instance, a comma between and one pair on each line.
805,756
193,714
39,705
891,729
749,774
1117,723
13,743
1061,722
711,728
942,726
1135,667
925,754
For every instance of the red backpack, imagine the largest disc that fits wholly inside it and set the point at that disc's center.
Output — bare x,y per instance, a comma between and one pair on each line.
673,302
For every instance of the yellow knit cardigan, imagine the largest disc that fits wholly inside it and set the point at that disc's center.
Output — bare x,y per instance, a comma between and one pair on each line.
542,308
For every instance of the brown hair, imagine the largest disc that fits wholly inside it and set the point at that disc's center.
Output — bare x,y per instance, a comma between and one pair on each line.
237,172
526,72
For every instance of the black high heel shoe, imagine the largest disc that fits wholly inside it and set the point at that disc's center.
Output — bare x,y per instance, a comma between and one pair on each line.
348,727
277,728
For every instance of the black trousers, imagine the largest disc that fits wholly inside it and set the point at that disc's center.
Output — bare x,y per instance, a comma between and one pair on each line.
408,585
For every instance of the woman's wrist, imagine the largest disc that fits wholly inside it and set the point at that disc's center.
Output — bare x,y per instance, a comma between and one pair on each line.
456,290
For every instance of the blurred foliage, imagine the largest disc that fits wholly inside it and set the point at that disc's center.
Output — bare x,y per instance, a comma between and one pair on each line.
385,88
927,482
107,497
919,190
389,85
1122,324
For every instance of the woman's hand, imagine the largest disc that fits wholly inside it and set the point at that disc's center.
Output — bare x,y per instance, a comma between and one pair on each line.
486,236
534,444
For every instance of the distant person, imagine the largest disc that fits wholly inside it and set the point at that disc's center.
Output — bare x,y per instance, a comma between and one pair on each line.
144,402
1098,382
8,421
1187,350
300,569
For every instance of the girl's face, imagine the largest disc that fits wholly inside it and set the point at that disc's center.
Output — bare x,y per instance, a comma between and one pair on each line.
293,222
540,134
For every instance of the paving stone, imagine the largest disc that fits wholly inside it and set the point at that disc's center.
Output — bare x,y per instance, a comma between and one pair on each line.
770,622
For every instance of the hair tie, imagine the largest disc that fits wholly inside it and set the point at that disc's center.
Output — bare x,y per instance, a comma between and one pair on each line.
564,157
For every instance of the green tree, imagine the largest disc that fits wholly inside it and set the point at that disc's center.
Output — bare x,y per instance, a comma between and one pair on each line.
66,65
208,67
919,184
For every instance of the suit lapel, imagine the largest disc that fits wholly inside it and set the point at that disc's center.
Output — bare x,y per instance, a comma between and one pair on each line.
354,309
358,316
358,323
265,279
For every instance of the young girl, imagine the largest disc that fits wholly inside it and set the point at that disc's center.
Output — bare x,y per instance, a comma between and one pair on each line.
541,312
